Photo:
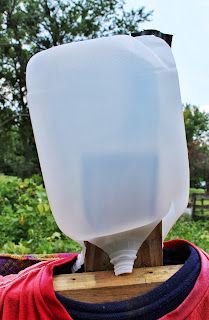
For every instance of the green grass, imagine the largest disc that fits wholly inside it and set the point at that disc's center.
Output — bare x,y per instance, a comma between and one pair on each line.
193,231
195,190
206,202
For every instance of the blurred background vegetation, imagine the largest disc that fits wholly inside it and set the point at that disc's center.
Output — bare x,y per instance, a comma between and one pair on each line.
27,27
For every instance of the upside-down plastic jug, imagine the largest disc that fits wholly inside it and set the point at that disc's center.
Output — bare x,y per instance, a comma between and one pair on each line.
108,123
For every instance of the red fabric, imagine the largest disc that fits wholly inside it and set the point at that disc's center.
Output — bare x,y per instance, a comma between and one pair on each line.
29,295
196,305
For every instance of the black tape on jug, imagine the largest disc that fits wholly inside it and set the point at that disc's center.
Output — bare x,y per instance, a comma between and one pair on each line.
164,36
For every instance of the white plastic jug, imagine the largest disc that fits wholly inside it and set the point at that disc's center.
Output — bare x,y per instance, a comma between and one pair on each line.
108,123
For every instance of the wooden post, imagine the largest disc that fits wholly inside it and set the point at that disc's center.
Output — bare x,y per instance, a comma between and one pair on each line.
193,205
100,286
149,255
96,259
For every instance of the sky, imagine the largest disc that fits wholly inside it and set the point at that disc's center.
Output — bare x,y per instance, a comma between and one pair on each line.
188,21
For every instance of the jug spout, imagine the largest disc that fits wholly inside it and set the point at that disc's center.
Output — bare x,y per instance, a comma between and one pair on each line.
123,260
122,247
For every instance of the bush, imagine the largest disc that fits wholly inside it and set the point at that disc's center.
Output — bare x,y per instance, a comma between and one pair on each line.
27,224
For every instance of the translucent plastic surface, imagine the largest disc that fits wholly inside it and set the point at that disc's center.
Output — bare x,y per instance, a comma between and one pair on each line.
108,124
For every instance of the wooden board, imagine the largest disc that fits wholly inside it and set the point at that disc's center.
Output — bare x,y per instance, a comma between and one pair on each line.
149,255
96,259
104,286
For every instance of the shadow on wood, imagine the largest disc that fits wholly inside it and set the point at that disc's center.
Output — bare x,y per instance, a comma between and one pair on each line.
149,255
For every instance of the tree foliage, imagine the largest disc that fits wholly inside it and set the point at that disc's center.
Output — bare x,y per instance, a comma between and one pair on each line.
197,132
29,26
196,124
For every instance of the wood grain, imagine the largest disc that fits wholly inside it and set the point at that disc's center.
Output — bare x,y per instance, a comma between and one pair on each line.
151,254
104,286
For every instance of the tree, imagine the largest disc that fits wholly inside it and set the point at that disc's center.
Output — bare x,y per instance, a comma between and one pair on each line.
29,26
197,132
196,124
